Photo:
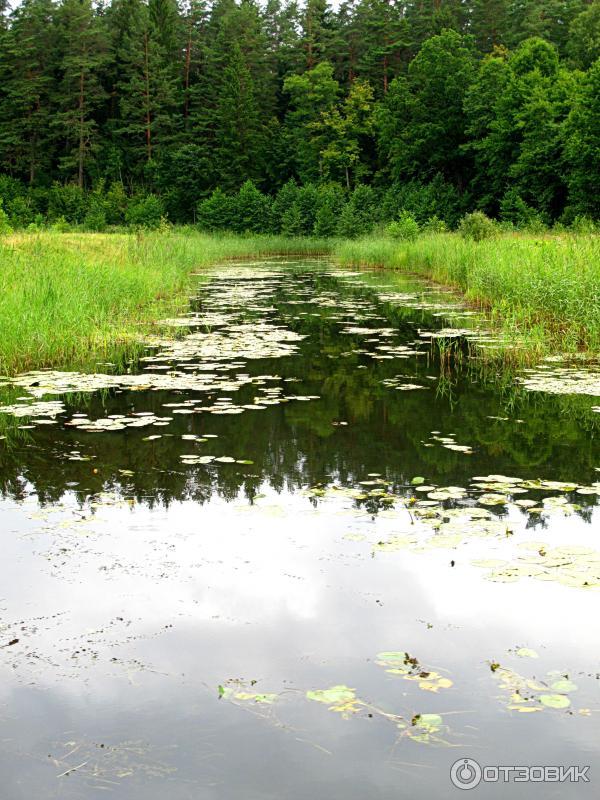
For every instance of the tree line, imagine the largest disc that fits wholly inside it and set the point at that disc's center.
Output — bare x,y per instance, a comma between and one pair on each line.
131,110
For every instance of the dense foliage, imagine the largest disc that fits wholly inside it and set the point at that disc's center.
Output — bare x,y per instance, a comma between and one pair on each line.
276,117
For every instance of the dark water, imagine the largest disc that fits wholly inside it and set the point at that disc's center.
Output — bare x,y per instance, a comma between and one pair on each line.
171,616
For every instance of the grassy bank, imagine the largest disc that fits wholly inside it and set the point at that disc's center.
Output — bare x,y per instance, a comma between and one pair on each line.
65,298
545,291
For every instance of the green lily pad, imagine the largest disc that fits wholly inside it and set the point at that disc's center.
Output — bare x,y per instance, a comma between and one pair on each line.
564,686
555,700
526,652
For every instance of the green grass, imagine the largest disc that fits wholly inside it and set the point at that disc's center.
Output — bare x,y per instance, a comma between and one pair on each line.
541,290
71,299
66,299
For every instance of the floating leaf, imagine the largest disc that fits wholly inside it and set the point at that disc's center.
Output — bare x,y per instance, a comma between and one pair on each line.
555,700
526,652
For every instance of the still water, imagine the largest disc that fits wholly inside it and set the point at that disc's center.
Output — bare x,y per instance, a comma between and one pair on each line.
296,553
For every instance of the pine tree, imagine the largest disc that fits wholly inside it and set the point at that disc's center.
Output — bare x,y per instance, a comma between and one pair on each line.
317,22
79,93
489,23
148,91
25,110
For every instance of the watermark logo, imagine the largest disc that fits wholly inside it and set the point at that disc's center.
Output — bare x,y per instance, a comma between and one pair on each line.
466,773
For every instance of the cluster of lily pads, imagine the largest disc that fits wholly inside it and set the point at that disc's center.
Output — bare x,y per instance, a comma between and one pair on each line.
449,442
519,693
561,380
529,695
117,422
401,384
426,516
208,361
424,728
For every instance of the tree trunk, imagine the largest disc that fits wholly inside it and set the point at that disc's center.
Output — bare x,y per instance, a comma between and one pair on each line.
81,131
147,93
186,79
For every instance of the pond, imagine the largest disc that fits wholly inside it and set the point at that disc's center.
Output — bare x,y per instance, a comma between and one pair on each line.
305,548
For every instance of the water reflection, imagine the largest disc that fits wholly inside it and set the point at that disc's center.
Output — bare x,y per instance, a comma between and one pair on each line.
139,585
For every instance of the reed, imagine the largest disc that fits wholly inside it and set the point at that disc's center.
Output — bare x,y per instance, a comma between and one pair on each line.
542,291
67,298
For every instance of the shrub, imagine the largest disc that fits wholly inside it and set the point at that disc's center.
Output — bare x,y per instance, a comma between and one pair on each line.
67,202
477,226
584,224
330,204
20,211
251,210
424,200
145,211
291,222
5,226
95,219
10,188
406,227
115,204
435,225
515,210
359,215
215,212
37,224
60,225
283,202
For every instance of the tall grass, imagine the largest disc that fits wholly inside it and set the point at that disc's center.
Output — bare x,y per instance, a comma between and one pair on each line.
543,290
65,298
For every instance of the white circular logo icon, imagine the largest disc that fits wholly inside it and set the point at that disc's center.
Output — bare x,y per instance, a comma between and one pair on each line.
465,773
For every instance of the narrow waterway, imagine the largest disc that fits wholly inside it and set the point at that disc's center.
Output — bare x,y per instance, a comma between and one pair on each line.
296,553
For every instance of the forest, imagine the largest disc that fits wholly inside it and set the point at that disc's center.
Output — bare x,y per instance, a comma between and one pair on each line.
299,119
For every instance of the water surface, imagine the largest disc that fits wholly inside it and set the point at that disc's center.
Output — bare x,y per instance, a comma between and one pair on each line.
198,552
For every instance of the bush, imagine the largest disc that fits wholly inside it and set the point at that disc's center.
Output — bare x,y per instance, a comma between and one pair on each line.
330,204
115,204
291,222
283,202
145,211
95,219
514,209
37,224
583,224
67,202
406,227
11,190
4,223
60,225
20,211
477,226
215,212
435,225
251,210
424,200
359,215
